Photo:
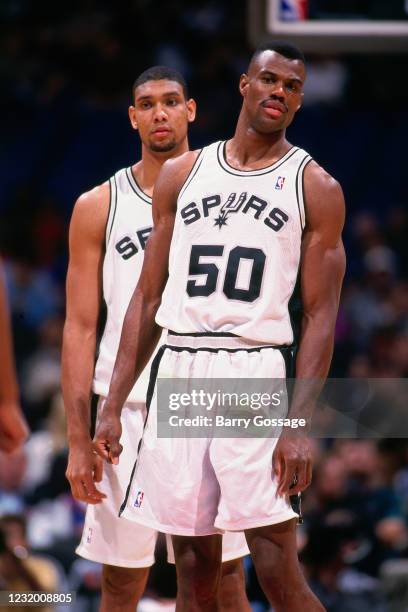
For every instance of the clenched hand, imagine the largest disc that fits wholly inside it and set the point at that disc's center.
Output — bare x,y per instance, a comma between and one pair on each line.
107,436
292,464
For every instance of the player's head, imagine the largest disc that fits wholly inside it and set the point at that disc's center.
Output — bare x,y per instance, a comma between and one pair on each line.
272,87
161,108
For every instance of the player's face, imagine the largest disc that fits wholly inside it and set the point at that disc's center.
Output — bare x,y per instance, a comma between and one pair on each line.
272,91
161,114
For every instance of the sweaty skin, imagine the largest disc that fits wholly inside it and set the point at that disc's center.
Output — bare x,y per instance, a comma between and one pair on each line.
13,426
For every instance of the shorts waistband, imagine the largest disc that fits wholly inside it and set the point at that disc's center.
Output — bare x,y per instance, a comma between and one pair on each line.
215,341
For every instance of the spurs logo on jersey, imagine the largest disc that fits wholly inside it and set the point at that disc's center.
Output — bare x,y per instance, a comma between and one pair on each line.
235,252
127,246
252,204
128,228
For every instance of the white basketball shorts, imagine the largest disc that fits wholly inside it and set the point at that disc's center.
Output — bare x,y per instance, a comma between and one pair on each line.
111,540
200,486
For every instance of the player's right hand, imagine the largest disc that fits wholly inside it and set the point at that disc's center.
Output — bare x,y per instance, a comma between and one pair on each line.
84,469
107,435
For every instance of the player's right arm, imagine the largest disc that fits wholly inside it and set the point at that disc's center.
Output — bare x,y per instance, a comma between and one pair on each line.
140,332
84,289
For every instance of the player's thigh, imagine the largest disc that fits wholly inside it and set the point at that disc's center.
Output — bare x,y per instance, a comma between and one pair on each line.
234,546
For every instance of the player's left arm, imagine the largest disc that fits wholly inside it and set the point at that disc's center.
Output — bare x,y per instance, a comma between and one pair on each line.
322,271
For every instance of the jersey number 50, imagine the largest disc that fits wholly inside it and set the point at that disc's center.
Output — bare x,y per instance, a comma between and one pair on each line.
230,289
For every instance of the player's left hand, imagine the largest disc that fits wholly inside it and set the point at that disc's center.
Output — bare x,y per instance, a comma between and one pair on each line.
107,436
292,464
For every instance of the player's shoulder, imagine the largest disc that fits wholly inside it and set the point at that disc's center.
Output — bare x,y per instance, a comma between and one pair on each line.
323,195
318,181
91,212
96,197
182,163
175,171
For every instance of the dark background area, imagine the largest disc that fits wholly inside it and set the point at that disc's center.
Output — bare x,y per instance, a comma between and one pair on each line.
66,74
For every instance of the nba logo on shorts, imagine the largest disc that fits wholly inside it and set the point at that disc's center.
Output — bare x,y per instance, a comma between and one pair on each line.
139,499
89,535
279,182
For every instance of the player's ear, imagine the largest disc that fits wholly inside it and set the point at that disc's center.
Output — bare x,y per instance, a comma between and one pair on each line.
132,117
191,110
300,101
243,84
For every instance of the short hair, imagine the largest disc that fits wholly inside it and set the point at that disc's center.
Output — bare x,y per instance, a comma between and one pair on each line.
160,73
282,47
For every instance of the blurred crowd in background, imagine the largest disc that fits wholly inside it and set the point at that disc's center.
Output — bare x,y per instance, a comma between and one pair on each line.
66,74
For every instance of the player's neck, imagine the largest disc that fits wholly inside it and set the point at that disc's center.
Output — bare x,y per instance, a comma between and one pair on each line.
249,148
147,169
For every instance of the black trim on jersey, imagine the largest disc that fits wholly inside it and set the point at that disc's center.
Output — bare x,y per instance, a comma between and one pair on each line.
279,347
297,191
94,410
136,187
114,210
109,212
222,160
303,186
204,334
302,167
295,308
190,175
150,389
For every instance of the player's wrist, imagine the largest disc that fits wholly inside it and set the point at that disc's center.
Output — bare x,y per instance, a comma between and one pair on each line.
79,439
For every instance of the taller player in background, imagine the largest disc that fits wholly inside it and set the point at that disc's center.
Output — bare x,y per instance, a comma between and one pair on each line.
235,224
13,426
109,229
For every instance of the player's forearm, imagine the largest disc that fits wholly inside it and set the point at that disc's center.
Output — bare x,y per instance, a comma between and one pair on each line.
140,334
78,357
312,362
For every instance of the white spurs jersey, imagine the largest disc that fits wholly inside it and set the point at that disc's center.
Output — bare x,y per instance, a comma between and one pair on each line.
128,228
235,251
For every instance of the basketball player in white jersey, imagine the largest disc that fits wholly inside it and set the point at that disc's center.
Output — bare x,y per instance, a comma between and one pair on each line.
234,225
109,229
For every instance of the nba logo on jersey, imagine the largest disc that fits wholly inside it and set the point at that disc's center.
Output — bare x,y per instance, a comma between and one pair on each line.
139,499
279,182
89,535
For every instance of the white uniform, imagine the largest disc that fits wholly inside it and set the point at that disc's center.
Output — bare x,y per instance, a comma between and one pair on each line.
107,538
233,266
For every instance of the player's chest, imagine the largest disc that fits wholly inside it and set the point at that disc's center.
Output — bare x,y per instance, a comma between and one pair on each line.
262,203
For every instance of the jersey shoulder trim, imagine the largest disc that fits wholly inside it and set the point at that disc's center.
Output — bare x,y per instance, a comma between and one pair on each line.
193,171
136,187
113,204
300,188
222,161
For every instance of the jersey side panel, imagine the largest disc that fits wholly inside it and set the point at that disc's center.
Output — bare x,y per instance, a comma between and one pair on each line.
129,225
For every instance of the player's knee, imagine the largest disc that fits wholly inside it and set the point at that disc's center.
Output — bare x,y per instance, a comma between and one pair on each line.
123,584
198,575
